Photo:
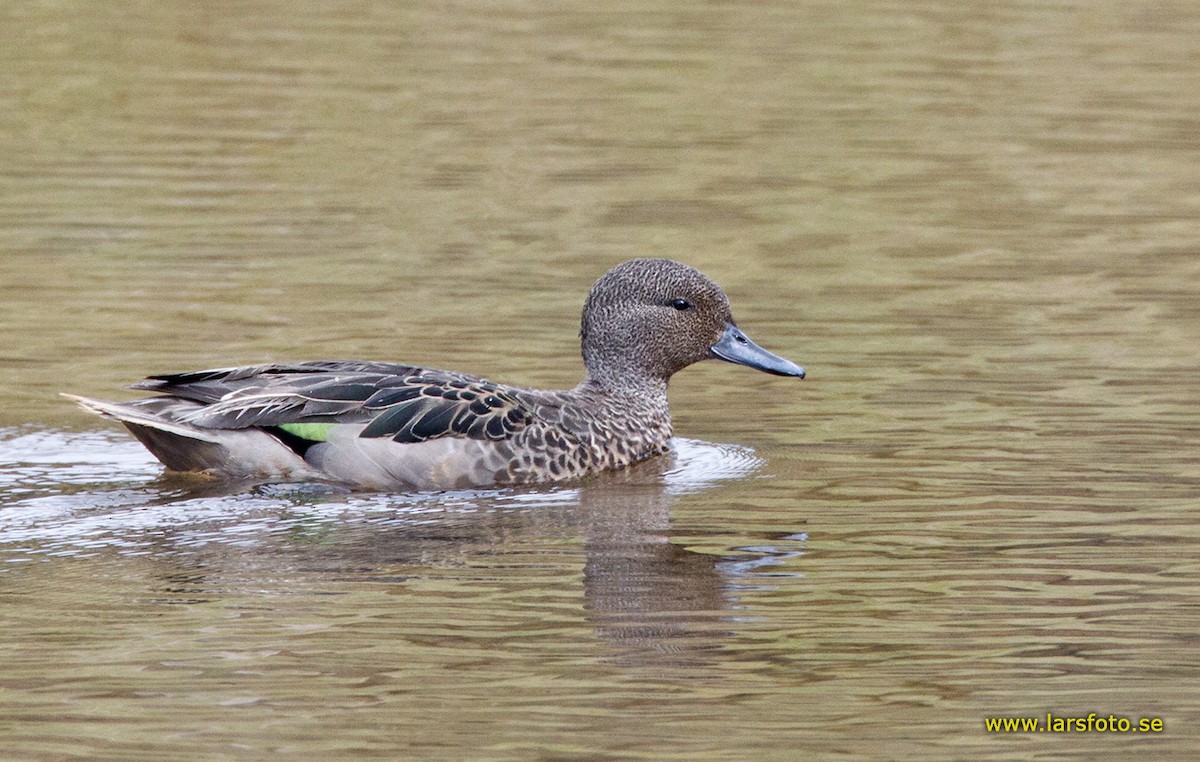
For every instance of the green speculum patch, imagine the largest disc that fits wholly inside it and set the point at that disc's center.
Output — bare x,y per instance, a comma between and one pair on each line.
313,432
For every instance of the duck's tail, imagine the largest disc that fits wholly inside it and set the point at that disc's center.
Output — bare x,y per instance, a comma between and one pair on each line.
148,413
182,446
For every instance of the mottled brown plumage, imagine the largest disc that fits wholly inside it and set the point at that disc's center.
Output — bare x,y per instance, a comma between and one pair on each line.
385,426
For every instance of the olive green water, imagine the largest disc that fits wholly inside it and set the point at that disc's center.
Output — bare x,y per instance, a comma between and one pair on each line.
977,224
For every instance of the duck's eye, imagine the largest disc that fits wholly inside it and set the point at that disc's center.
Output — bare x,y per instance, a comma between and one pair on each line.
681,304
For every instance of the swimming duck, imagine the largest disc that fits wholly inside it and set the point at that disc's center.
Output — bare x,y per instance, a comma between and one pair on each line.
384,426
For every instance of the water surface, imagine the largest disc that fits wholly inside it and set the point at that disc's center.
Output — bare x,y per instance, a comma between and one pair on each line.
975,224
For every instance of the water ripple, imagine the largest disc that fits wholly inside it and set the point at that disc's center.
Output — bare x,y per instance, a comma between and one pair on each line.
69,493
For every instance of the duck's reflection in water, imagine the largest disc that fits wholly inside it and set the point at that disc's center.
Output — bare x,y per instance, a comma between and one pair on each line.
643,592
647,597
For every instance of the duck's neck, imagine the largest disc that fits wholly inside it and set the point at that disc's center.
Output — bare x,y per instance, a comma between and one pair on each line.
627,422
644,388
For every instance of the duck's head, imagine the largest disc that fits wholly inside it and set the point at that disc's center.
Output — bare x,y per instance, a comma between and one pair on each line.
647,319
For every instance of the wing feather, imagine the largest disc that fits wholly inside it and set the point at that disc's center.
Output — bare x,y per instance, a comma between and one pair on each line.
478,410
402,402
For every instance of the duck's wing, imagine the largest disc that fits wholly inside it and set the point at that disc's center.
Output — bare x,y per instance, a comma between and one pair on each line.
404,403
209,386
430,407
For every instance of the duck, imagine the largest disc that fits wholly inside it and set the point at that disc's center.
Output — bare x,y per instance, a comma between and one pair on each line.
385,426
